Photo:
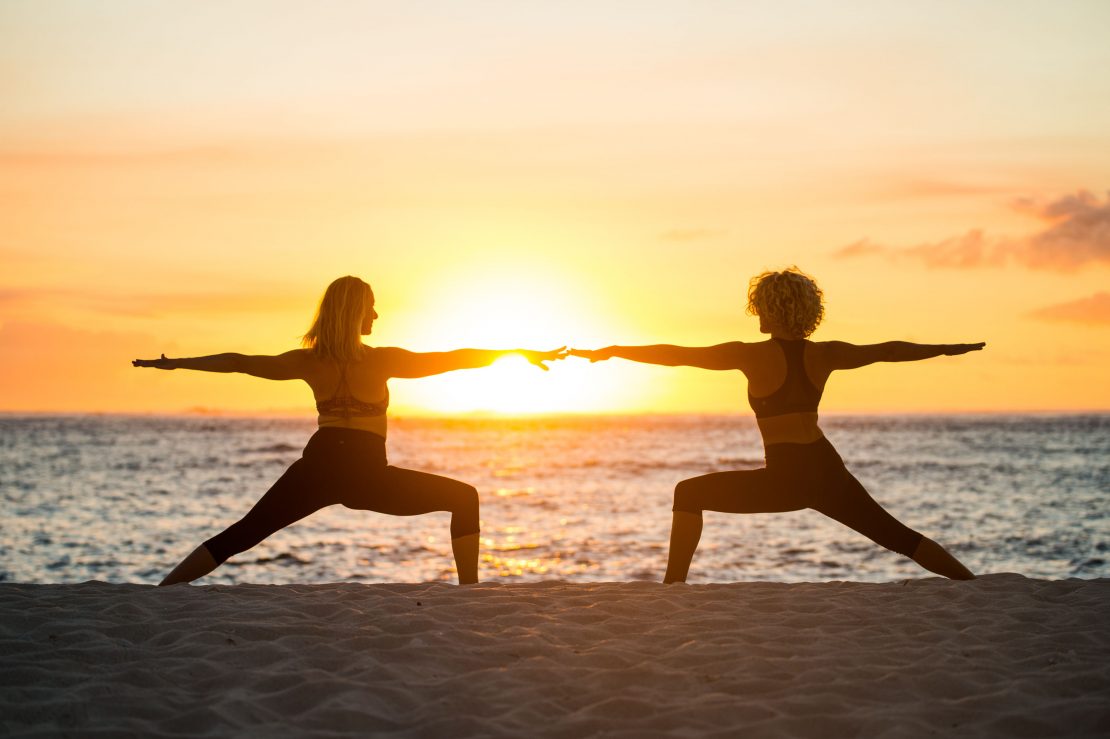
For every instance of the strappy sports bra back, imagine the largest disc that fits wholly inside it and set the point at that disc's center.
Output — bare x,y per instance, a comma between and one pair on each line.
796,394
345,405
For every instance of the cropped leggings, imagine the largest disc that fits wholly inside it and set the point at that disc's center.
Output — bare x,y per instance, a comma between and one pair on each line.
798,476
347,466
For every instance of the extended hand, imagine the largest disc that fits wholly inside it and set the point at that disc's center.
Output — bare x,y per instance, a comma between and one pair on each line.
161,363
954,349
538,358
594,355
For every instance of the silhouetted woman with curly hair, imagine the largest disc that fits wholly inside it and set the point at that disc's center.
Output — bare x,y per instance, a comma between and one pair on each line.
786,377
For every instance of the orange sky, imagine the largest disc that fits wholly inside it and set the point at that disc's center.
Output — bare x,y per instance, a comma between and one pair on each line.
187,179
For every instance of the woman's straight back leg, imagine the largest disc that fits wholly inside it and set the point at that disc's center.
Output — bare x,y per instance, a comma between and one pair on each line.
298,493
843,498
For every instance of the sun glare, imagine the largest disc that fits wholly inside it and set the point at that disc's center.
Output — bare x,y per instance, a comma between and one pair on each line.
512,312
510,385
513,386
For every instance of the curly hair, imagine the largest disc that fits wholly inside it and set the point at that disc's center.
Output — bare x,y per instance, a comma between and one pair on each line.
789,298
335,332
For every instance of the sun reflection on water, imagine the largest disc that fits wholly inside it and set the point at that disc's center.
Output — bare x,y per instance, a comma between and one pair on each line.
513,492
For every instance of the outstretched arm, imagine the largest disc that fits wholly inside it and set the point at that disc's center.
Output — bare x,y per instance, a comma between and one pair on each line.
727,356
842,355
403,363
287,366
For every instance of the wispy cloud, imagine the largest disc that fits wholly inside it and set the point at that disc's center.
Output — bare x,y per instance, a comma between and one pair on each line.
50,366
693,234
44,158
154,305
1075,233
1093,310
863,247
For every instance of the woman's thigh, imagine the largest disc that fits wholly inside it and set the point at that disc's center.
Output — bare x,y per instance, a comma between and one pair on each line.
739,491
400,492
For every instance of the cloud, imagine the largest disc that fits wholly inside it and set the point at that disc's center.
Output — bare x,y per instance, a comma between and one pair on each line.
692,234
1093,310
206,303
859,248
972,249
939,188
1076,233
51,366
15,296
47,158
154,305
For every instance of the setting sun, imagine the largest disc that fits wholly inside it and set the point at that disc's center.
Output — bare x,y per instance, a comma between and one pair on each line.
507,307
513,386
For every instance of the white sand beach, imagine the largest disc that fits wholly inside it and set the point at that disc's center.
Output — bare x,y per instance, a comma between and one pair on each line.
1002,656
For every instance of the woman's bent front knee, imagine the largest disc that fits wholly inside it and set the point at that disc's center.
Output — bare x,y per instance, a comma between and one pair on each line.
684,498
464,512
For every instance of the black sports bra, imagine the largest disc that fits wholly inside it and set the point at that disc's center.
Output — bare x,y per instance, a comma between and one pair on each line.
796,394
345,405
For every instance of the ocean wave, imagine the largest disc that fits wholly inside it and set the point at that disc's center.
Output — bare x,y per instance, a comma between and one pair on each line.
271,449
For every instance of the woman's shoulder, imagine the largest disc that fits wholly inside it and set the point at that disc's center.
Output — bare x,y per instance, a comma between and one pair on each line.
376,359
831,346
829,355
379,353
753,347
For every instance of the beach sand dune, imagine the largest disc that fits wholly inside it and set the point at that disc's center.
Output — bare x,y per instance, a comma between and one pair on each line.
1002,656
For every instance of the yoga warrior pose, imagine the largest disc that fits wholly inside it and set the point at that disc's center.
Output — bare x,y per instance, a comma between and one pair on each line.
786,376
344,461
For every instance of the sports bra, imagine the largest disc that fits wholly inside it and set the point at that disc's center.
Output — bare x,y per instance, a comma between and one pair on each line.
345,405
796,394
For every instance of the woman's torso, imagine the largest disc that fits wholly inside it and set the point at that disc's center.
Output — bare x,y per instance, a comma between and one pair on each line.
351,395
785,381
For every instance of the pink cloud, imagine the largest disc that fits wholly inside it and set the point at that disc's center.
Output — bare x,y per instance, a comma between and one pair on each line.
860,248
1076,233
972,249
1093,310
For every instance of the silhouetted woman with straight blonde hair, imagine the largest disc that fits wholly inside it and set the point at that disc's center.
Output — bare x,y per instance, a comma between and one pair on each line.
344,461
786,376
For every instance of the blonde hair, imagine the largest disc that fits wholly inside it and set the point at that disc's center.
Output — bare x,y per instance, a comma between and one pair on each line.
336,331
789,298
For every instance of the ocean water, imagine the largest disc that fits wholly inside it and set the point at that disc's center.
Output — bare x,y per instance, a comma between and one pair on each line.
123,498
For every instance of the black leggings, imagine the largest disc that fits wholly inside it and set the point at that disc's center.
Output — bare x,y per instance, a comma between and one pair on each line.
798,476
347,466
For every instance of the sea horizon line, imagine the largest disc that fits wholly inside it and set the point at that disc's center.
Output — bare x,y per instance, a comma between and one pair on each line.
293,415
